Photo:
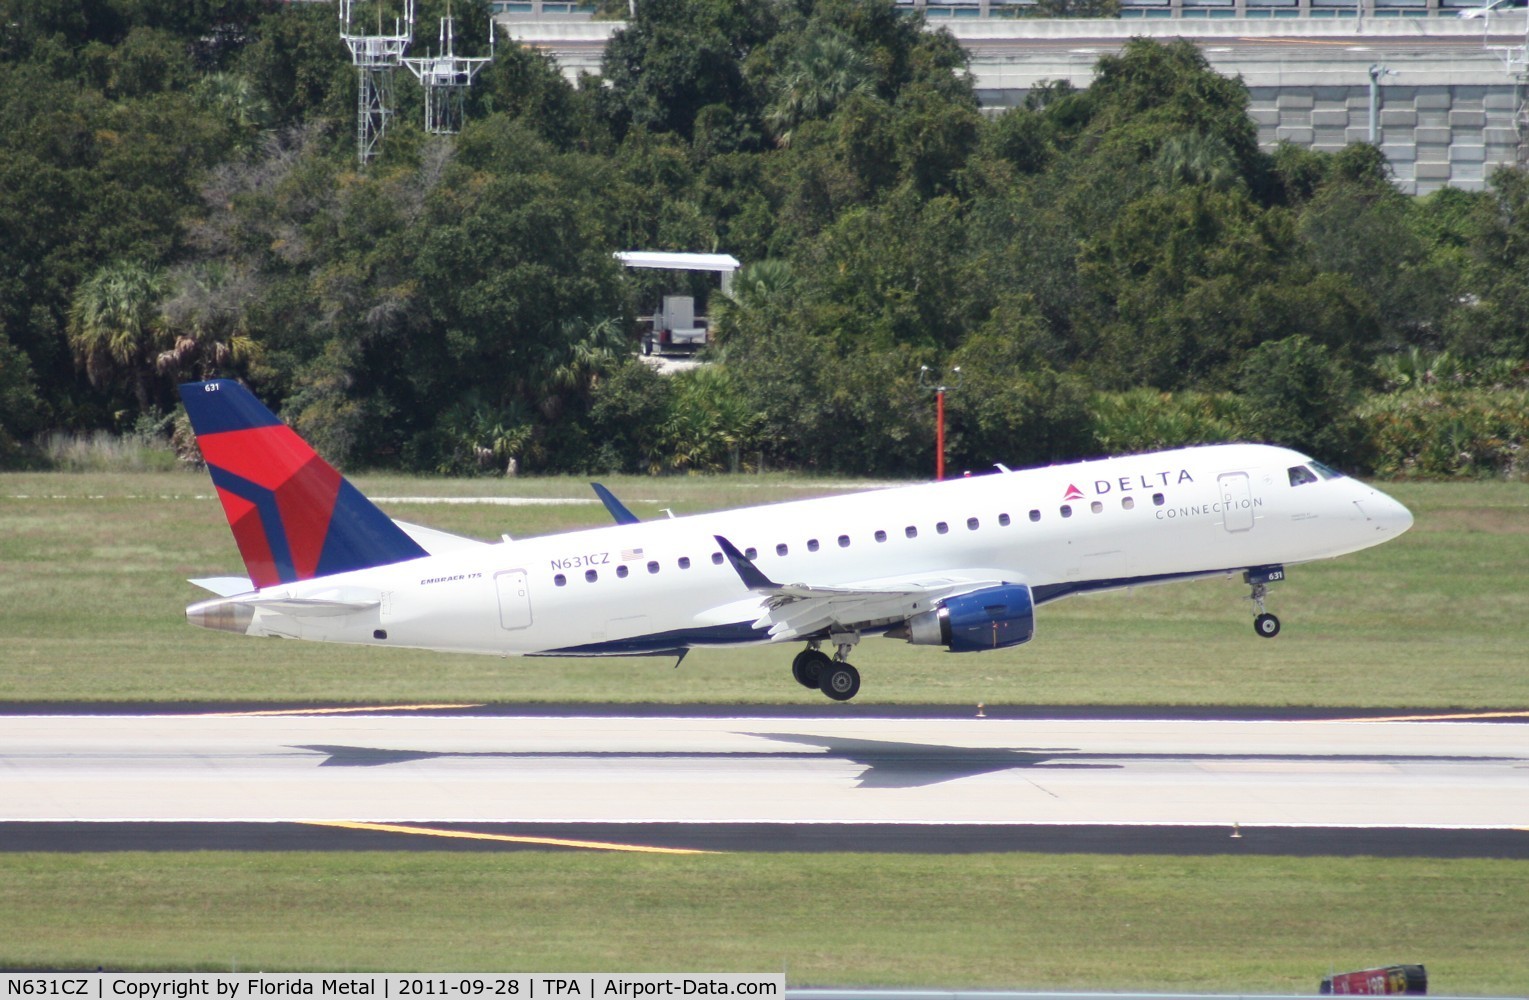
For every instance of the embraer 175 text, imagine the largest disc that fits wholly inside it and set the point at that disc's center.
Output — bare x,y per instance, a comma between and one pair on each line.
961,564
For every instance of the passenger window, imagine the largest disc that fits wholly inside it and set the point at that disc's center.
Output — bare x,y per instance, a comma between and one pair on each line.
684,562
621,572
1003,520
812,545
1066,510
1300,475
1035,515
843,541
881,536
781,549
911,531
716,558
1097,507
560,581
590,576
1157,499
971,524
1128,503
751,553
652,567
941,527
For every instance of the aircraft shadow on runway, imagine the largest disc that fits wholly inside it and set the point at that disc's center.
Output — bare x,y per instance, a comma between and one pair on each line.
887,764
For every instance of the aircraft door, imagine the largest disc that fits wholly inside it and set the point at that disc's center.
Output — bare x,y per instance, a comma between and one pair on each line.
1236,501
514,598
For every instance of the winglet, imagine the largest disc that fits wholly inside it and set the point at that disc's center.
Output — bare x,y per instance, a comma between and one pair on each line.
618,510
749,573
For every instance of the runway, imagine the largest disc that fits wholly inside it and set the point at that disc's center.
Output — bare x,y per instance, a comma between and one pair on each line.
776,782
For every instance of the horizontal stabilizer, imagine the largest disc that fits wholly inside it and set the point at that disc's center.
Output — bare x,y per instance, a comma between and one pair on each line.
237,614
438,543
225,586
314,607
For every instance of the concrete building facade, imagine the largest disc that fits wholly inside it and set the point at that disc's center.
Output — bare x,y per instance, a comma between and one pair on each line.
1449,92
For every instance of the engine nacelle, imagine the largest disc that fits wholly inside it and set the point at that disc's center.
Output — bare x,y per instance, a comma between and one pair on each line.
984,619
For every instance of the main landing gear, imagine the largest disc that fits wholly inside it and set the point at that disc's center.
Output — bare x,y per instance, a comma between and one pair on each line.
1264,624
832,675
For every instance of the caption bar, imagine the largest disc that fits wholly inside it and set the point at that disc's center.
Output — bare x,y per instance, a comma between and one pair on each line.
389,986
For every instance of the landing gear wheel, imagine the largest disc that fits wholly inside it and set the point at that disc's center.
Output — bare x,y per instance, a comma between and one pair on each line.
1266,625
839,681
808,666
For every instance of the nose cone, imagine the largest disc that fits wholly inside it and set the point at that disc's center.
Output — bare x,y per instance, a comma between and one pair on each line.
1387,515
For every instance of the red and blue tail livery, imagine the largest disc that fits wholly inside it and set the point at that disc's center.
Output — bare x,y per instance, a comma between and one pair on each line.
293,516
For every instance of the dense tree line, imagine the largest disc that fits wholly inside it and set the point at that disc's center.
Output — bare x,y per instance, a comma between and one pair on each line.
1113,268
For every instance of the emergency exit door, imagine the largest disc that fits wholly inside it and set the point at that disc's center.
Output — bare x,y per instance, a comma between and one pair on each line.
514,599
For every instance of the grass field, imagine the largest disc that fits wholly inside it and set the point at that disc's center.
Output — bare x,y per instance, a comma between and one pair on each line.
1242,925
93,569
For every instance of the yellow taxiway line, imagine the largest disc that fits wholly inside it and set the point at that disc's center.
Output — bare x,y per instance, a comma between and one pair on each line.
1460,717
590,845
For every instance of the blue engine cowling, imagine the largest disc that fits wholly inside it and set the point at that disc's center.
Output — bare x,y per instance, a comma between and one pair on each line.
991,618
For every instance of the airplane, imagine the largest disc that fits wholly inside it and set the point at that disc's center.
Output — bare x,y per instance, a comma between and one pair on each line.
962,563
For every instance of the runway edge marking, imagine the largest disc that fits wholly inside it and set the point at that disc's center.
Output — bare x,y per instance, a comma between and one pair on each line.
589,845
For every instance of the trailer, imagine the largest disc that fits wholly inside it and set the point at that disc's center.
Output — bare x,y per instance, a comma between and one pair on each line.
673,327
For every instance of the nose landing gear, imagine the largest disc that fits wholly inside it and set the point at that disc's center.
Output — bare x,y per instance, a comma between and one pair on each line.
1264,624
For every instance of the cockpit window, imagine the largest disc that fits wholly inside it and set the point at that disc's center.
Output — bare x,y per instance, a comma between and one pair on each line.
1300,475
1325,472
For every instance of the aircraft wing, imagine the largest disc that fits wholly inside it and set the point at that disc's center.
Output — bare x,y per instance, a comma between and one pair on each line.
798,610
617,510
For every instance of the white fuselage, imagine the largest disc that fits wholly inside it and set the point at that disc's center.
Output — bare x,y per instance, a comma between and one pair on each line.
660,586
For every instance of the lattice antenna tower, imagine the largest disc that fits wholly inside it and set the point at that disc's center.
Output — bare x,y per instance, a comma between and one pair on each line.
446,78
375,57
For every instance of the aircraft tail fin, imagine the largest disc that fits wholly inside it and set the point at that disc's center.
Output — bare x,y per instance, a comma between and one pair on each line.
293,516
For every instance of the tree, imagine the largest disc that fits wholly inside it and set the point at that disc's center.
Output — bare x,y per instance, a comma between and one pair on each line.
22,412
1497,322
676,57
1296,394
115,328
824,71
205,315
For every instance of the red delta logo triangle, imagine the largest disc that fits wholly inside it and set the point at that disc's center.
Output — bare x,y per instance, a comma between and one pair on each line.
1073,493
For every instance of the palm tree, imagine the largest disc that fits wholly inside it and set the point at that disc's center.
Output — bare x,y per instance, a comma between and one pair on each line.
234,98
821,74
115,329
1199,160
204,323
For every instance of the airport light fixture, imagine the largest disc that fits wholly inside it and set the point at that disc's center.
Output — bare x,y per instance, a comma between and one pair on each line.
925,373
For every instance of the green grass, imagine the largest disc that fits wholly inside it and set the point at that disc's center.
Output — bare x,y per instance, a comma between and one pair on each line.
93,569
1247,925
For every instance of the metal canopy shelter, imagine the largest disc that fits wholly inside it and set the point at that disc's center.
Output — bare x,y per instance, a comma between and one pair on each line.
722,263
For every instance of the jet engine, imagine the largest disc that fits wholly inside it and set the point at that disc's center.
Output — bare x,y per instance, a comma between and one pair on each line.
984,619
